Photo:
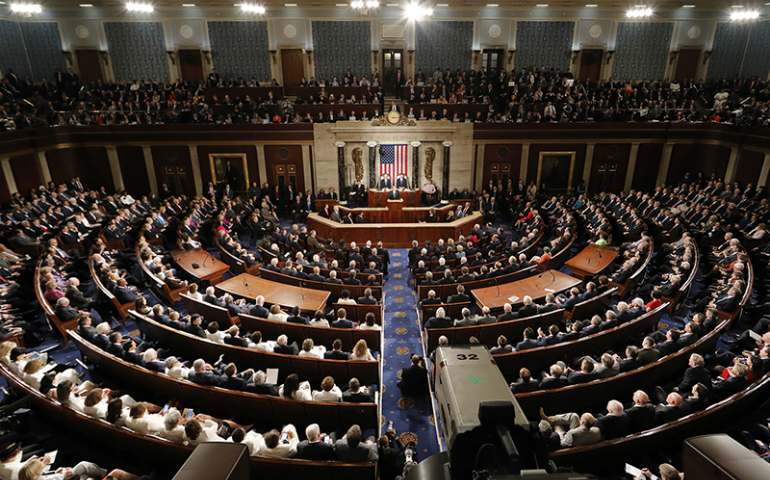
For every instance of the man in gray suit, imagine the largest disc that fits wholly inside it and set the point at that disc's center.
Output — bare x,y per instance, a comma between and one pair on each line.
336,217
351,449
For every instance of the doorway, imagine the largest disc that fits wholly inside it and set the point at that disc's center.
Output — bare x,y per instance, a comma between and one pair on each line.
606,175
392,61
292,66
191,65
492,60
175,176
687,64
591,64
89,65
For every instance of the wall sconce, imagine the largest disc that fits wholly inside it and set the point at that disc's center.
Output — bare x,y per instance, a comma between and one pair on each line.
610,54
672,56
68,58
172,56
309,57
207,57
575,54
274,56
105,56
706,56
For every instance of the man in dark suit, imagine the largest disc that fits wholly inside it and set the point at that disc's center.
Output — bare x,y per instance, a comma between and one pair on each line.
357,393
528,309
368,298
735,383
296,317
648,354
485,318
336,353
530,340
385,182
394,194
466,320
283,346
502,346
123,293
439,321
258,310
584,375
671,411
460,297
342,321
695,373
555,379
615,423
525,383
333,278
351,279
508,313
414,378
402,181
204,374
315,447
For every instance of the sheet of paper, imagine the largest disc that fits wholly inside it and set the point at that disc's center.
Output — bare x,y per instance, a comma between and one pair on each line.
272,376
632,470
513,299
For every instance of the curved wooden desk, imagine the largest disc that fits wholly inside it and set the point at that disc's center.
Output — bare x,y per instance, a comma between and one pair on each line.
396,235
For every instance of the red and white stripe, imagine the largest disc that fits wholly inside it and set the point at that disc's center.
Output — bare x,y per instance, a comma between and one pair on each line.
399,166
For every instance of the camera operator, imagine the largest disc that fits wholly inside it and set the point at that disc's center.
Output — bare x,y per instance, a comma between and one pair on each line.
391,450
414,378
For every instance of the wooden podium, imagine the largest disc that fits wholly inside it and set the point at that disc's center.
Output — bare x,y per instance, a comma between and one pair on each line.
379,198
591,260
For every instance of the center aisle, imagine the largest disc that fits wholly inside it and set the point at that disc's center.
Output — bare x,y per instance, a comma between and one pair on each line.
413,418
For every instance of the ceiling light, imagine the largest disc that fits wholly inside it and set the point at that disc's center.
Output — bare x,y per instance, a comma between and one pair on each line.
542,5
736,6
289,4
416,12
139,7
492,5
442,5
639,13
341,4
688,6
391,4
250,8
592,5
86,5
744,15
188,4
26,8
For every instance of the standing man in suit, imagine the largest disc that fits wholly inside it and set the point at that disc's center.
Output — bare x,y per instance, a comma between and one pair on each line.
360,193
399,84
394,194
414,378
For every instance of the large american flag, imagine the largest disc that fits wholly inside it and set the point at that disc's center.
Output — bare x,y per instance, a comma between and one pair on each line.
393,159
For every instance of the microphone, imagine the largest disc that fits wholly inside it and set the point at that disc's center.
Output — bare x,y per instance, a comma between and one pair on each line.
302,290
592,256
497,285
204,260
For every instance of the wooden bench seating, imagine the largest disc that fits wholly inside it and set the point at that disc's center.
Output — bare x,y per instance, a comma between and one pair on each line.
542,358
48,309
364,277
173,455
335,289
216,400
310,369
636,276
451,310
575,397
116,245
357,313
444,291
703,421
681,294
557,260
487,334
589,308
319,335
210,312
159,286
237,266
120,309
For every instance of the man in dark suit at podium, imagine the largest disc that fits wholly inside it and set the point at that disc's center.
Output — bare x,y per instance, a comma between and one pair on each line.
402,181
385,182
394,194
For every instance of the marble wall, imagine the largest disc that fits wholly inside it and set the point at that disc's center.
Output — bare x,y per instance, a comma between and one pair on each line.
339,46
357,134
444,45
545,44
641,50
740,49
240,49
137,50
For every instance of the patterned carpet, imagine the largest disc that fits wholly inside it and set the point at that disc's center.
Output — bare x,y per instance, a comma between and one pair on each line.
412,417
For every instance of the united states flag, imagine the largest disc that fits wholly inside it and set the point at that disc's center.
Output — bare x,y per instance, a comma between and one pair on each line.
393,160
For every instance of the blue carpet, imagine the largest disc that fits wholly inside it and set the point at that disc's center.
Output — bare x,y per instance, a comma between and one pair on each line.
412,418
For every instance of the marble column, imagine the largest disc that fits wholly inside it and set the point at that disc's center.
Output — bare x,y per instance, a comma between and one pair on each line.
262,165
524,163
117,175
665,162
588,163
732,164
762,173
8,172
341,167
416,165
149,164
308,178
445,173
631,166
372,164
478,180
43,165
196,170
